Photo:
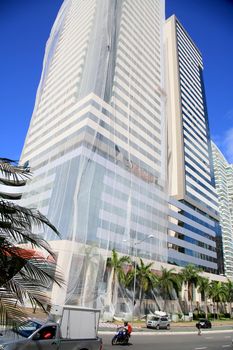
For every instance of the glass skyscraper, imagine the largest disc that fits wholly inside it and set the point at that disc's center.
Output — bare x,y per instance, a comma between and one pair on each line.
97,140
194,232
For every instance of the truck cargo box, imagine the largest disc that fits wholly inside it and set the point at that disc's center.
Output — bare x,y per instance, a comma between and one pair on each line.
77,322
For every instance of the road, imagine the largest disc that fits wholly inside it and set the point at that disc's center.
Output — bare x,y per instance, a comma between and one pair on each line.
208,341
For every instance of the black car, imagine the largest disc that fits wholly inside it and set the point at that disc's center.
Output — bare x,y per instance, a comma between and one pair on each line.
204,323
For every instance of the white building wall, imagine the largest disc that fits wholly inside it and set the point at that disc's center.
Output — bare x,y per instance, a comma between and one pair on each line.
223,172
96,142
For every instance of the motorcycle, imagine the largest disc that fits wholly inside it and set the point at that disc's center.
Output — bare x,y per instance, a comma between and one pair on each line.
121,337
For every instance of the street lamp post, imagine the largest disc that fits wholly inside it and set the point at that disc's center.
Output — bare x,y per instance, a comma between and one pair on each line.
135,263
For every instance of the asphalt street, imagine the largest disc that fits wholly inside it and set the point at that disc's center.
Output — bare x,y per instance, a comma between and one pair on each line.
173,341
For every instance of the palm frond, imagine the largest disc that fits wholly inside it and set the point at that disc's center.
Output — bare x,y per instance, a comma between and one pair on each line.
124,259
129,277
27,263
12,183
32,283
117,262
31,290
11,170
19,216
11,313
14,235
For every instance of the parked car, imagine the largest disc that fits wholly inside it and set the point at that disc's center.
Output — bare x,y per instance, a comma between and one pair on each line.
204,323
158,322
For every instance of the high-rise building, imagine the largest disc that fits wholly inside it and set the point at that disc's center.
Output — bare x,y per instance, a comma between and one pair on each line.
223,172
194,234
97,139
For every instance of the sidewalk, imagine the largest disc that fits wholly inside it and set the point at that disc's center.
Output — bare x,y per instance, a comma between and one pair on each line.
165,332
176,328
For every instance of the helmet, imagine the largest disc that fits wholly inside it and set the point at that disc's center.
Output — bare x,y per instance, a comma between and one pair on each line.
125,323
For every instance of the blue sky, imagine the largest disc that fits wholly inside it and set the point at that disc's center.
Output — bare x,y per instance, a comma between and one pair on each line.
25,27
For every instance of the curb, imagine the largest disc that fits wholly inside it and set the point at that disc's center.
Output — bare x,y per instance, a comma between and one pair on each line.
168,333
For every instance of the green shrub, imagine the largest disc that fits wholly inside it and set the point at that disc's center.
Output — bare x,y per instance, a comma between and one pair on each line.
180,316
213,316
197,316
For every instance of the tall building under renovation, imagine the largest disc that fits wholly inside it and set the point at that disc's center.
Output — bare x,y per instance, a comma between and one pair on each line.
96,142
223,172
194,232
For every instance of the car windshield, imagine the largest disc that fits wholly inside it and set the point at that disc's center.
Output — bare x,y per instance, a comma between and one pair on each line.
27,328
155,319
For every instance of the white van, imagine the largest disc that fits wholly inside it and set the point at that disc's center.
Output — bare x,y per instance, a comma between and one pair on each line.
158,322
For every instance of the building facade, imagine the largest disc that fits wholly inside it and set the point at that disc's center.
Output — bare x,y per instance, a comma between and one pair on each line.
97,140
194,233
223,172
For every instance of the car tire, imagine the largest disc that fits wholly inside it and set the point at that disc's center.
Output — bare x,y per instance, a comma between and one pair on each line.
168,326
157,327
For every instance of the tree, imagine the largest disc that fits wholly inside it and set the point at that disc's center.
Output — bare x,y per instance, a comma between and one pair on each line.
168,282
217,293
116,264
190,277
27,263
204,288
127,281
146,279
229,293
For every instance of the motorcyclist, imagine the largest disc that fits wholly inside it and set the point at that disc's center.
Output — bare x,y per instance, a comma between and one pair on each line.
123,334
128,328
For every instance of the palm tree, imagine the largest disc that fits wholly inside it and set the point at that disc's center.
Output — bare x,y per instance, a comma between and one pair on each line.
27,263
146,279
128,278
190,277
229,293
218,293
204,288
168,282
116,264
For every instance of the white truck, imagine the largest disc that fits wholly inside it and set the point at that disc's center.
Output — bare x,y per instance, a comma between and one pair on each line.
76,328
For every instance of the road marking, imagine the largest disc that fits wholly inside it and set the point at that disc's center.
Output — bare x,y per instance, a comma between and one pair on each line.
209,337
225,346
204,347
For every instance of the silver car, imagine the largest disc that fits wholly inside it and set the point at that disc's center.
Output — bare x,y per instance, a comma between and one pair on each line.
158,322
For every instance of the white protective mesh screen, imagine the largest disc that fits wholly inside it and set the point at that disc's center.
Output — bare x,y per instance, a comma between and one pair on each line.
96,143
